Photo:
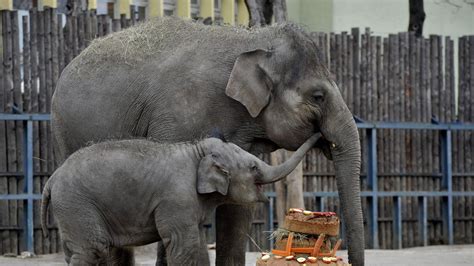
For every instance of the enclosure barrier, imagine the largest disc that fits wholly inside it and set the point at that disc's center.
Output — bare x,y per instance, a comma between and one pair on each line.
373,194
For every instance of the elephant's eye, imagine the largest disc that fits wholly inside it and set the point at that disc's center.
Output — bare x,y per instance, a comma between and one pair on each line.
318,96
254,168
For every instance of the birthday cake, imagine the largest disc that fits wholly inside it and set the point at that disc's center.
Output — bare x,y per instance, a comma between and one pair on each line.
306,237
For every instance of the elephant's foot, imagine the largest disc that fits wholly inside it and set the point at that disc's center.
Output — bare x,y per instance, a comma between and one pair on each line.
231,259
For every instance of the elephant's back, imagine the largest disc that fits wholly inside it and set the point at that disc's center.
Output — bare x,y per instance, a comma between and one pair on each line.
158,37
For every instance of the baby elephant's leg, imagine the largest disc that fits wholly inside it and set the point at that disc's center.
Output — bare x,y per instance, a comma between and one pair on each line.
182,242
67,252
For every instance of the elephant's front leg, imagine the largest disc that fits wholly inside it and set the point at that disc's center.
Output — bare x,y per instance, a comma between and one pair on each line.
182,242
233,223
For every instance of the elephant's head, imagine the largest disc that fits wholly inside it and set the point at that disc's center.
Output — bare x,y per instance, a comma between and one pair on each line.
287,89
229,170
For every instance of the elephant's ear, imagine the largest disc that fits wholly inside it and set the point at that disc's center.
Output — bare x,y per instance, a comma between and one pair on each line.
212,176
249,83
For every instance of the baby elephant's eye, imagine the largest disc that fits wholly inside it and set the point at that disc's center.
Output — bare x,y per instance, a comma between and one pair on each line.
254,168
225,172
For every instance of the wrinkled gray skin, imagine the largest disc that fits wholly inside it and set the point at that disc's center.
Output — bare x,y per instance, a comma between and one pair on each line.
126,193
174,81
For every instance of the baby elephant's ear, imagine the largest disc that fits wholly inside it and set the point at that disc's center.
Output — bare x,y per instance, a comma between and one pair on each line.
212,176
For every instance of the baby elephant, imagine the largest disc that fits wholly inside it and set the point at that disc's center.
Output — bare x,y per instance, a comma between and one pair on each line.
118,194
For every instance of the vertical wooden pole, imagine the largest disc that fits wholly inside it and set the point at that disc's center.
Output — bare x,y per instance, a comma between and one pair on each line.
92,4
9,133
228,11
3,145
6,5
18,128
42,4
242,13
121,7
183,8
206,9
155,8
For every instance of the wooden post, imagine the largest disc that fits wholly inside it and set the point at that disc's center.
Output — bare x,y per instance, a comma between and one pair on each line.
183,8
6,5
242,13
121,7
47,3
228,11
155,8
206,9
92,4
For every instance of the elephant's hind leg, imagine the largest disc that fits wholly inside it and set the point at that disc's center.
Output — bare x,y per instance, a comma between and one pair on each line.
120,256
161,254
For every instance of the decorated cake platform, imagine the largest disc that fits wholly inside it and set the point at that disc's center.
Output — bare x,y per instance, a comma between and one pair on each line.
309,238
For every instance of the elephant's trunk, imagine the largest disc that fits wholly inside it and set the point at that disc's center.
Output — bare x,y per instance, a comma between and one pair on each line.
272,174
345,149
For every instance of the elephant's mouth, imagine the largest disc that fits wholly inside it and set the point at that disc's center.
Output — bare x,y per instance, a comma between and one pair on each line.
260,194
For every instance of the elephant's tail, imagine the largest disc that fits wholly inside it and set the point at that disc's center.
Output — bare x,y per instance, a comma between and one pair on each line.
44,205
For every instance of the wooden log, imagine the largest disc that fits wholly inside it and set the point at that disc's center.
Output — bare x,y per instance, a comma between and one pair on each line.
75,38
365,89
343,66
116,26
350,75
469,185
356,69
88,28
387,240
409,137
68,37
404,181
100,26
48,67
61,44
123,21
338,70
380,158
42,104
427,137
16,185
51,243
10,125
81,37
4,152
94,25
372,78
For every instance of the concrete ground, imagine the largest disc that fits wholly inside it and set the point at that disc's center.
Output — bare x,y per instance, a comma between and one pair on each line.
433,255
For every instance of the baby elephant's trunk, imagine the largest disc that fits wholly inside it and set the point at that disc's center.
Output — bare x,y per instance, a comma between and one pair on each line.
275,173
44,206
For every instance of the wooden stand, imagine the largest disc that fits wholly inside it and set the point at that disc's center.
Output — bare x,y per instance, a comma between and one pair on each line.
313,251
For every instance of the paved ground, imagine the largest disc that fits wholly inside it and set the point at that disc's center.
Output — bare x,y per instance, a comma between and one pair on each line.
434,255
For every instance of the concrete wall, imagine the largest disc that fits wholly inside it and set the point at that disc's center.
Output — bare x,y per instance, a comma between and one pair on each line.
454,18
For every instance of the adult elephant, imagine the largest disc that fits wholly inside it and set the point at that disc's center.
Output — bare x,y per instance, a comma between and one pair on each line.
173,80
